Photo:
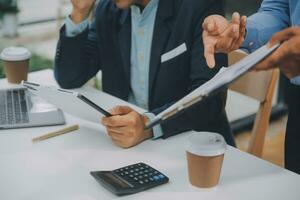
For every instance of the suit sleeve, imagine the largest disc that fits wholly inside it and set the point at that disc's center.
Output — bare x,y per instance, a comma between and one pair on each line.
77,58
202,116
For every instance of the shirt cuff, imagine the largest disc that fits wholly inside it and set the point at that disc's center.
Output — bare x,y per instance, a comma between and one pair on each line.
251,44
157,130
73,29
295,80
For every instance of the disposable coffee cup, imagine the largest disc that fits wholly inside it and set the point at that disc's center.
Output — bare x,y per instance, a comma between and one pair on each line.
205,153
16,64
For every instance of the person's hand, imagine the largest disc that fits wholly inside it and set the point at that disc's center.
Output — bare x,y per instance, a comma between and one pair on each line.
287,56
222,36
81,9
126,127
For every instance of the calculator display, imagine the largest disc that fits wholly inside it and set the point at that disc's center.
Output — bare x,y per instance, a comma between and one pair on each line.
116,181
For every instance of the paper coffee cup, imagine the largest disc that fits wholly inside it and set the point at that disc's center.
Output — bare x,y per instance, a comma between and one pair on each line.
205,153
16,63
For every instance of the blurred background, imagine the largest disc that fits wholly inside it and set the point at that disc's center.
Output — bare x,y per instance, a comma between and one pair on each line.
35,24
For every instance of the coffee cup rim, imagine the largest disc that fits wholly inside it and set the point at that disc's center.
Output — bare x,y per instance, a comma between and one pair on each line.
15,54
206,144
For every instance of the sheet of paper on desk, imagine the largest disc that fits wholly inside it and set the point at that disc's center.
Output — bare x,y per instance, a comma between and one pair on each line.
224,77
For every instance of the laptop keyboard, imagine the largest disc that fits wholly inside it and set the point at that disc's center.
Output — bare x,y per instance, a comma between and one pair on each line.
13,107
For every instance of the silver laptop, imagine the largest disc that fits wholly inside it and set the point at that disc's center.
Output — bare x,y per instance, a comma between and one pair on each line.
19,109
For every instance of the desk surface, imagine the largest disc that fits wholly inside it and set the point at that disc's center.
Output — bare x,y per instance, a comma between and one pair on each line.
59,168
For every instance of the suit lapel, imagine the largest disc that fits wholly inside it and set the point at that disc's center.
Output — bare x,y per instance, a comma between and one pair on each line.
124,36
161,34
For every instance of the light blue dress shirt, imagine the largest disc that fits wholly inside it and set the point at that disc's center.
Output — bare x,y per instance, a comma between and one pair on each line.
73,29
142,23
273,16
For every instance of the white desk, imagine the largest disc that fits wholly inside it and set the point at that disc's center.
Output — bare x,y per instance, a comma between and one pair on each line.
59,168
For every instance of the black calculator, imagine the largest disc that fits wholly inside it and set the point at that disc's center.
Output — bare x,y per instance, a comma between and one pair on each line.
131,179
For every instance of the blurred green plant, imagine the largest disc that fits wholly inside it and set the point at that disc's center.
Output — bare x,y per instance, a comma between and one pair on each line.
36,63
8,6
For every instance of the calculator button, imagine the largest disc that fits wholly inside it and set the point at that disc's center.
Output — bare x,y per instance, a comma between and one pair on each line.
140,176
141,182
161,176
151,170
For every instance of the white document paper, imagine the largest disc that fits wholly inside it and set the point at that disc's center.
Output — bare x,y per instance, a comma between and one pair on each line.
224,77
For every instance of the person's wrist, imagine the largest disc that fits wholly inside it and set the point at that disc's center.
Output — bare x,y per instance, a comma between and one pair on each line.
148,133
79,16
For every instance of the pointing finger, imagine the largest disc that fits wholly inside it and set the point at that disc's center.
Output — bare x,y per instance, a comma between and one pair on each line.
209,51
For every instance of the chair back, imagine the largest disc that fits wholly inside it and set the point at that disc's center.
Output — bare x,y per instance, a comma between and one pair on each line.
253,84
259,86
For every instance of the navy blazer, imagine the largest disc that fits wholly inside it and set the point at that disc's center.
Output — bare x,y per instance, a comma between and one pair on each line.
106,46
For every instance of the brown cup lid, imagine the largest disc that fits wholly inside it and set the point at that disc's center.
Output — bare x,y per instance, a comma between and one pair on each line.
15,54
206,144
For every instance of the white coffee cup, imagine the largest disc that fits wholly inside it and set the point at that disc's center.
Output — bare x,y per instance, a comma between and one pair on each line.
205,153
16,63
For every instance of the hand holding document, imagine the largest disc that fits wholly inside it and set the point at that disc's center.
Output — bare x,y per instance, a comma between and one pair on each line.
69,101
224,77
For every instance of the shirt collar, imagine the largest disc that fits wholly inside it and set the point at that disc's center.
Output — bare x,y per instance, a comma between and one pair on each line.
136,12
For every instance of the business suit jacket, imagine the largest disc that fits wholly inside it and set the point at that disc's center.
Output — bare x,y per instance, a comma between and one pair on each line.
106,46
